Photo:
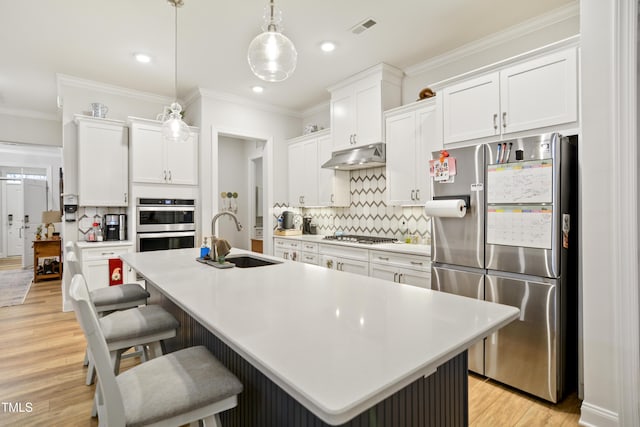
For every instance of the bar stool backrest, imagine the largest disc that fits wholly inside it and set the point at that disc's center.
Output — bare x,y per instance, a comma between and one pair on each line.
112,413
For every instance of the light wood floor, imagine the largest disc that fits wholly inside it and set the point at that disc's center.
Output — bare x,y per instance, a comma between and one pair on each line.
11,263
42,348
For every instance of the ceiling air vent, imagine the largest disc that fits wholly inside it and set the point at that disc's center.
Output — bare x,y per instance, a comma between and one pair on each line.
363,26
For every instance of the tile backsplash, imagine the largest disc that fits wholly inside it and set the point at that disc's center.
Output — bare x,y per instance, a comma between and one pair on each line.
88,215
368,213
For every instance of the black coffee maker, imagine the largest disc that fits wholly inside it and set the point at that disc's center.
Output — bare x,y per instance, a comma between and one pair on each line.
115,226
306,224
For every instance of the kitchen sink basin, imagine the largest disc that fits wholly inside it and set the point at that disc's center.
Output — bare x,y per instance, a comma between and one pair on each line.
248,261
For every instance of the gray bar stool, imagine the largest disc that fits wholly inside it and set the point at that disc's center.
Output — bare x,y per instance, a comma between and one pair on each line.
175,389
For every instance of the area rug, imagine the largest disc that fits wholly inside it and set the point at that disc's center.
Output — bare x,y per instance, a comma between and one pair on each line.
14,286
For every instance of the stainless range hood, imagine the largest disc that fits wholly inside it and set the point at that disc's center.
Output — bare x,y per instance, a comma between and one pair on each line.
368,156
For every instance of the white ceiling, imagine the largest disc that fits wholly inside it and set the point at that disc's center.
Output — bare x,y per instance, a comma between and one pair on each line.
96,40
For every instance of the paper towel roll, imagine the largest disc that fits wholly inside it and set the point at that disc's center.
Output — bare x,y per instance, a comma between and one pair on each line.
451,208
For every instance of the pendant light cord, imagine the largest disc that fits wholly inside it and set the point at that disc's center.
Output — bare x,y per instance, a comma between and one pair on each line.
175,46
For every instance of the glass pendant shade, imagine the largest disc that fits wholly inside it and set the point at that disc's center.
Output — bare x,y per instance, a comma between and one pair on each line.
272,56
174,128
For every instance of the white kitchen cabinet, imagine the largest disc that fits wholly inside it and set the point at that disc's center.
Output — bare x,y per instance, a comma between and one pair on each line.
94,262
344,258
303,171
357,104
154,159
286,249
411,137
409,269
309,184
534,94
103,162
333,185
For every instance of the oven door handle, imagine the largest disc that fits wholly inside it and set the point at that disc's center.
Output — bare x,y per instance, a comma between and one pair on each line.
166,234
174,208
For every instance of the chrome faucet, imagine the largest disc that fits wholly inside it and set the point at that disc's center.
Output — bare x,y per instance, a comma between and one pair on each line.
213,229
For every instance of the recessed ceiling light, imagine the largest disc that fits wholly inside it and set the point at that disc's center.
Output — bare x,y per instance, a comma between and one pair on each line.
142,58
257,89
328,46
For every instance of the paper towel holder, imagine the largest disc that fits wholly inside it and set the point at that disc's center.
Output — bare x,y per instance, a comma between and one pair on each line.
465,197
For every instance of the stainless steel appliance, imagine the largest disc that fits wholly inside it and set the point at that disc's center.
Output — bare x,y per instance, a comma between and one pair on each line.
288,220
165,224
354,238
516,245
306,224
115,226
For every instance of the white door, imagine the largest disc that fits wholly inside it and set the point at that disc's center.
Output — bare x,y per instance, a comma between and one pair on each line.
35,202
13,219
401,157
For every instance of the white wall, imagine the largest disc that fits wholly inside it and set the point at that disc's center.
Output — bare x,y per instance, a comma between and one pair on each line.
235,117
30,130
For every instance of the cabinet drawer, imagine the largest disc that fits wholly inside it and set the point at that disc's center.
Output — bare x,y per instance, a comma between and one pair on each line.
344,252
414,262
309,247
103,253
286,244
309,258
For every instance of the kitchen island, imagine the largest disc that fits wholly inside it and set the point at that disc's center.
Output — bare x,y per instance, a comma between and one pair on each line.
314,346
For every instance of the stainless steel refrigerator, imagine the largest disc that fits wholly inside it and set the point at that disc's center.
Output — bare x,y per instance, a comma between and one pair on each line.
516,244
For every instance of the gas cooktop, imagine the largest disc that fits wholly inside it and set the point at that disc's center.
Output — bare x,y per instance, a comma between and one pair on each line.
368,240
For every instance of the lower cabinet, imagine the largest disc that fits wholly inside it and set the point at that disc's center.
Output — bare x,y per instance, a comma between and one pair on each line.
286,249
94,262
410,269
342,258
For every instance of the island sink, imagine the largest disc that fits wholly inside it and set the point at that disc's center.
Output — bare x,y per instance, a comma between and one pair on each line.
248,261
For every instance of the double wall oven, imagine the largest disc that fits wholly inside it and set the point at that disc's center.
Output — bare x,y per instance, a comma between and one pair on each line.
165,224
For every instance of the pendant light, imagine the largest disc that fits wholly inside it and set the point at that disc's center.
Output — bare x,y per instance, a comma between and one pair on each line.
272,56
174,128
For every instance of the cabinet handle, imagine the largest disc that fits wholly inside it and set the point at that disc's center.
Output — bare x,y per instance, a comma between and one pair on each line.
108,253
395,276
355,138
383,258
495,121
413,194
504,120
400,275
308,258
169,176
416,262
331,198
165,175
418,194
340,266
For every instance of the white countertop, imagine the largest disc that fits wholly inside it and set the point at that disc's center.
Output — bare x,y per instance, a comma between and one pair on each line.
403,248
104,244
337,342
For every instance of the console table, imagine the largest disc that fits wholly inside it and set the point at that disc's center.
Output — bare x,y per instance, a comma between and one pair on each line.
43,250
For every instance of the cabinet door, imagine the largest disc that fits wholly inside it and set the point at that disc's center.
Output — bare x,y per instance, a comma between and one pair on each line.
471,109
96,273
103,164
426,142
353,266
368,112
333,185
415,278
147,154
296,172
539,93
401,157
342,118
182,161
309,173
382,271
328,262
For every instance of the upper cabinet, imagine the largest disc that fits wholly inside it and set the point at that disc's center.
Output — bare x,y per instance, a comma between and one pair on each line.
103,162
309,184
157,160
411,137
534,94
357,105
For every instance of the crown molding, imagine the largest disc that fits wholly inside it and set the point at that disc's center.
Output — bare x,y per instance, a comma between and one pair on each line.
527,27
29,114
235,99
71,81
